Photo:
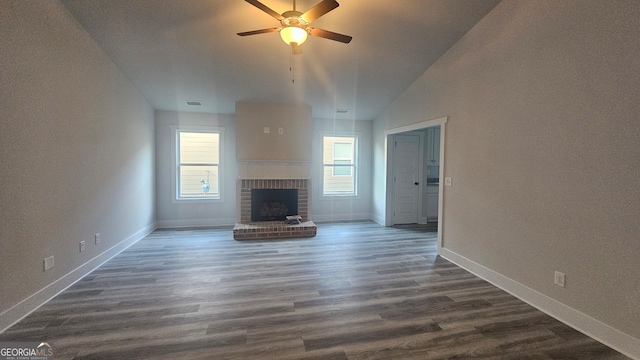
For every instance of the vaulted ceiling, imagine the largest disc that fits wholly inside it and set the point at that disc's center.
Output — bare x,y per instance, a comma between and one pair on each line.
181,50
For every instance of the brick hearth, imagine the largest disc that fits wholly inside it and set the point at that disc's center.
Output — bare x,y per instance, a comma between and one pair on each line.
273,230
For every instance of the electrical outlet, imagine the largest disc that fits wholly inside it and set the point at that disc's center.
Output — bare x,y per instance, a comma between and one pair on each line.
82,246
48,263
448,181
97,237
559,279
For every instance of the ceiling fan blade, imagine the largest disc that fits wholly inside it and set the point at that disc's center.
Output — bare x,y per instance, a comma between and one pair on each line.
330,35
296,49
318,10
266,9
256,32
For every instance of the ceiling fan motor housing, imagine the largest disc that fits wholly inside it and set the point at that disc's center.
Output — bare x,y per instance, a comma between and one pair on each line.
294,29
292,18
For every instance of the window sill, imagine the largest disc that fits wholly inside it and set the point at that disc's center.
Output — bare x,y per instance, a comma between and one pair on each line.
197,200
335,197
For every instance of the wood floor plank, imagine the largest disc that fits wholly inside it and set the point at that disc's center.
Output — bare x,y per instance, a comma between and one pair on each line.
355,291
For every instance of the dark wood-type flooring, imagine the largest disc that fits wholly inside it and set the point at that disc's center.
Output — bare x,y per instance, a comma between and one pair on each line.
355,291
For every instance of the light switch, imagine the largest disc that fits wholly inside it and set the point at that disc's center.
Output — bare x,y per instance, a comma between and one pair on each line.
266,129
447,181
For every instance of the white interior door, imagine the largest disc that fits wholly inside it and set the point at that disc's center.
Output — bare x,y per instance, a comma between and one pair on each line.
406,178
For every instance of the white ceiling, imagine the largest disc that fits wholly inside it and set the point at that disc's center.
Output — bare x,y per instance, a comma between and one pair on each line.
179,50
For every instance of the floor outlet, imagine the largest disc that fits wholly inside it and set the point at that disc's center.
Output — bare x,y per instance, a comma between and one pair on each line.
559,279
48,263
97,238
82,246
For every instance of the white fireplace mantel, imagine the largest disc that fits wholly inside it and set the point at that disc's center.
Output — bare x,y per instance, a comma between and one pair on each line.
266,169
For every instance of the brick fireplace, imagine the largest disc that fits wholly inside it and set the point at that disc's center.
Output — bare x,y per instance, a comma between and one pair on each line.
247,229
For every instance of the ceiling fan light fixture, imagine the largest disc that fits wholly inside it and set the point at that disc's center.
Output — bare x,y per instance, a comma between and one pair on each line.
293,35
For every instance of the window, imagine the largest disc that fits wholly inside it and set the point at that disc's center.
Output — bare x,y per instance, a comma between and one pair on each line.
198,164
339,162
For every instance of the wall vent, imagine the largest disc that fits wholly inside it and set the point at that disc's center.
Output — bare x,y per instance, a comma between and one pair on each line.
193,103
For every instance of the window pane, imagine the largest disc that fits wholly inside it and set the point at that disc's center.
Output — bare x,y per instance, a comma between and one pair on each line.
342,170
194,180
338,185
199,148
342,151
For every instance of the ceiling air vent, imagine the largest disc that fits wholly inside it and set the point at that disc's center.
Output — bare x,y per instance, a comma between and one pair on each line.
193,103
342,111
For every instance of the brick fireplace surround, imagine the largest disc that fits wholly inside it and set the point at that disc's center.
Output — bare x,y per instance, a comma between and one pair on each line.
247,230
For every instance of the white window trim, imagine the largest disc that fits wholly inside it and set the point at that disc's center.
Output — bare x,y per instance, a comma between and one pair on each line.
356,195
175,129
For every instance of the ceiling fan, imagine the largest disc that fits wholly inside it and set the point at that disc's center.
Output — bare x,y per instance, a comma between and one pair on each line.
295,24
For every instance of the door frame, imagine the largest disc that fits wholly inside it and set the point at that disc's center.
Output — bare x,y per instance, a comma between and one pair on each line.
389,134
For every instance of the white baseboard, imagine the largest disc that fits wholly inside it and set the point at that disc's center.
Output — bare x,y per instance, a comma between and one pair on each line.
377,219
19,311
195,223
596,329
341,217
198,223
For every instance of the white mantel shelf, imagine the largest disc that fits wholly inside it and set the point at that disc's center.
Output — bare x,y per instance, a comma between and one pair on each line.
272,178
282,162
270,169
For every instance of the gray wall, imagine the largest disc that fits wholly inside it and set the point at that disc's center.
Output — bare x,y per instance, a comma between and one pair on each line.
542,145
171,213
76,155
185,213
294,144
338,207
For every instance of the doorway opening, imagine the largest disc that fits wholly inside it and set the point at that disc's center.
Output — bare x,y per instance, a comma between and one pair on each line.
415,166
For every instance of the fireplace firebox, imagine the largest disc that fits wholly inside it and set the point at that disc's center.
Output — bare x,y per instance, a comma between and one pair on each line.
273,204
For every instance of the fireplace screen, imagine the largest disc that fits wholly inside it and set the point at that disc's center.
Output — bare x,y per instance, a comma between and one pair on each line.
273,204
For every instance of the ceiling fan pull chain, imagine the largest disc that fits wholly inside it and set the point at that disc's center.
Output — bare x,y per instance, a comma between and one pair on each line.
291,69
